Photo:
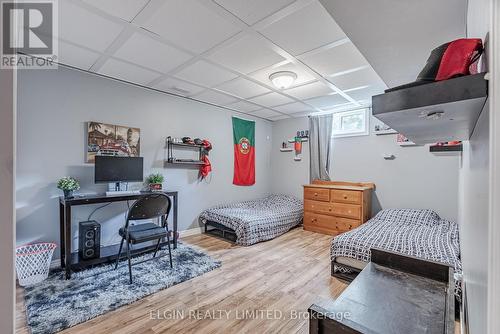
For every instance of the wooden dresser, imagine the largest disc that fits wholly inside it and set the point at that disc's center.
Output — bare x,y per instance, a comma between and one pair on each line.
332,207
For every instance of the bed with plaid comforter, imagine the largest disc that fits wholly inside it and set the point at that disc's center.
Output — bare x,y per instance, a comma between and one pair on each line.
419,233
257,220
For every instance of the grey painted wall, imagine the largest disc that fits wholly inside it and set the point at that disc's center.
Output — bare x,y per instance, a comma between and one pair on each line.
474,197
7,236
52,111
473,217
415,179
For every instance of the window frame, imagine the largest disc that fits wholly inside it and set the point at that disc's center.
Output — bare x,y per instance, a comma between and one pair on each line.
364,132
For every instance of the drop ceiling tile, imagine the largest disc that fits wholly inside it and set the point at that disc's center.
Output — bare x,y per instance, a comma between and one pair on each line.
302,75
146,51
244,106
365,93
292,108
124,9
325,102
214,97
179,87
205,74
278,118
340,58
310,90
305,30
85,28
191,25
266,113
301,114
252,11
76,56
271,99
128,72
363,77
247,54
243,88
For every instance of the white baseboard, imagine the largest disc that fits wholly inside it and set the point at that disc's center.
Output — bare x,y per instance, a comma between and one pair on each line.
191,231
186,233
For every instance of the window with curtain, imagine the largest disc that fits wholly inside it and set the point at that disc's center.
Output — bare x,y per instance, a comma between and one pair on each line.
351,123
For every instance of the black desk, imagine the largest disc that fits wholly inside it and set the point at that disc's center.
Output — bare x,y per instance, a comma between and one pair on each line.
70,260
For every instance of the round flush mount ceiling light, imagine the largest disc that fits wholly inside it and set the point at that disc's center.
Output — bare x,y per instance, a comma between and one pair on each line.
283,79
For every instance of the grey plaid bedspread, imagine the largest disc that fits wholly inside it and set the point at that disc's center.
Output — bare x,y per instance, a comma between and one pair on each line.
419,233
258,220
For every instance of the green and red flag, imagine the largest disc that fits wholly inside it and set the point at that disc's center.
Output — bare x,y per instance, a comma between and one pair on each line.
244,152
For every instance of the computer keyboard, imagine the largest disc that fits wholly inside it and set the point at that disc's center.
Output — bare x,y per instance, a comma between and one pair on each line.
123,192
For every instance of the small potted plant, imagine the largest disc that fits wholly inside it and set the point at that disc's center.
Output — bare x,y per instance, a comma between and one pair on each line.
155,181
68,185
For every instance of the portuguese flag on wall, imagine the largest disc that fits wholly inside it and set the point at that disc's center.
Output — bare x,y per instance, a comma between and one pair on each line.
244,152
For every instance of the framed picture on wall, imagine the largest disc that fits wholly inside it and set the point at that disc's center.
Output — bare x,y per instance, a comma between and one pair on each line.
112,140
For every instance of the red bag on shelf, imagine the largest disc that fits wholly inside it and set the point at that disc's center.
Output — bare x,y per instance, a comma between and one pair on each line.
448,61
458,57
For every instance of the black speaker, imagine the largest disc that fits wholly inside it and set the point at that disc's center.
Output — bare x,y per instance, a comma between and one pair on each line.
89,240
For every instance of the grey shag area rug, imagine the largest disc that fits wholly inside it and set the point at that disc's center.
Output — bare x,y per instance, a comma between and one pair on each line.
56,303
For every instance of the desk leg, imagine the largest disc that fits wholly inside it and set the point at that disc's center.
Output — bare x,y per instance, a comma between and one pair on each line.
175,221
68,239
62,240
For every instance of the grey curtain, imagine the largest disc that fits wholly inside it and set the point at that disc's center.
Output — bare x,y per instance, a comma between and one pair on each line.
320,146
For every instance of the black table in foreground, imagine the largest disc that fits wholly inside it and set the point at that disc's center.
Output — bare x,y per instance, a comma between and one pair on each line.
71,260
394,294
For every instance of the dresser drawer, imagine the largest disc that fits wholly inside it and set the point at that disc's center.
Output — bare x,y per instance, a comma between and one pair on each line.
346,224
328,224
317,194
334,209
346,196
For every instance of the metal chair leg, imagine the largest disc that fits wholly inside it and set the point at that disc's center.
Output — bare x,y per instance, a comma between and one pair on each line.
129,262
157,247
119,254
169,248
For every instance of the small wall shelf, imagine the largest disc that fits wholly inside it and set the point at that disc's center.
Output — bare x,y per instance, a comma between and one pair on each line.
288,149
302,140
446,148
385,132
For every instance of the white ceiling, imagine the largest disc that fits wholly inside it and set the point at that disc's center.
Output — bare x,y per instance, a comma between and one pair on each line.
396,37
221,52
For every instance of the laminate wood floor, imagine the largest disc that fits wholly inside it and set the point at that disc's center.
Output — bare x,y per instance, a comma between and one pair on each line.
264,288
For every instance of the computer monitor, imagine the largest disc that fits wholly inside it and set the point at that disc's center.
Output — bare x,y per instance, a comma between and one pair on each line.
109,169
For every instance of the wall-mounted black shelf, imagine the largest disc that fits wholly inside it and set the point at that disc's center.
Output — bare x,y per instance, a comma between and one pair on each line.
183,144
446,148
171,160
182,162
434,112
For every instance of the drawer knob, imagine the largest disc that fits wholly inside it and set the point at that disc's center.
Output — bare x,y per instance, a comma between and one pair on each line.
329,209
345,196
315,194
313,220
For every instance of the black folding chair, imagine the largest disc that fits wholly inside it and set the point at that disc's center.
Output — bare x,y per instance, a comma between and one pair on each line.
152,206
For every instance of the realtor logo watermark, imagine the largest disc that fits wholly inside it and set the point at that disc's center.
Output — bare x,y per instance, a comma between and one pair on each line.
28,34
